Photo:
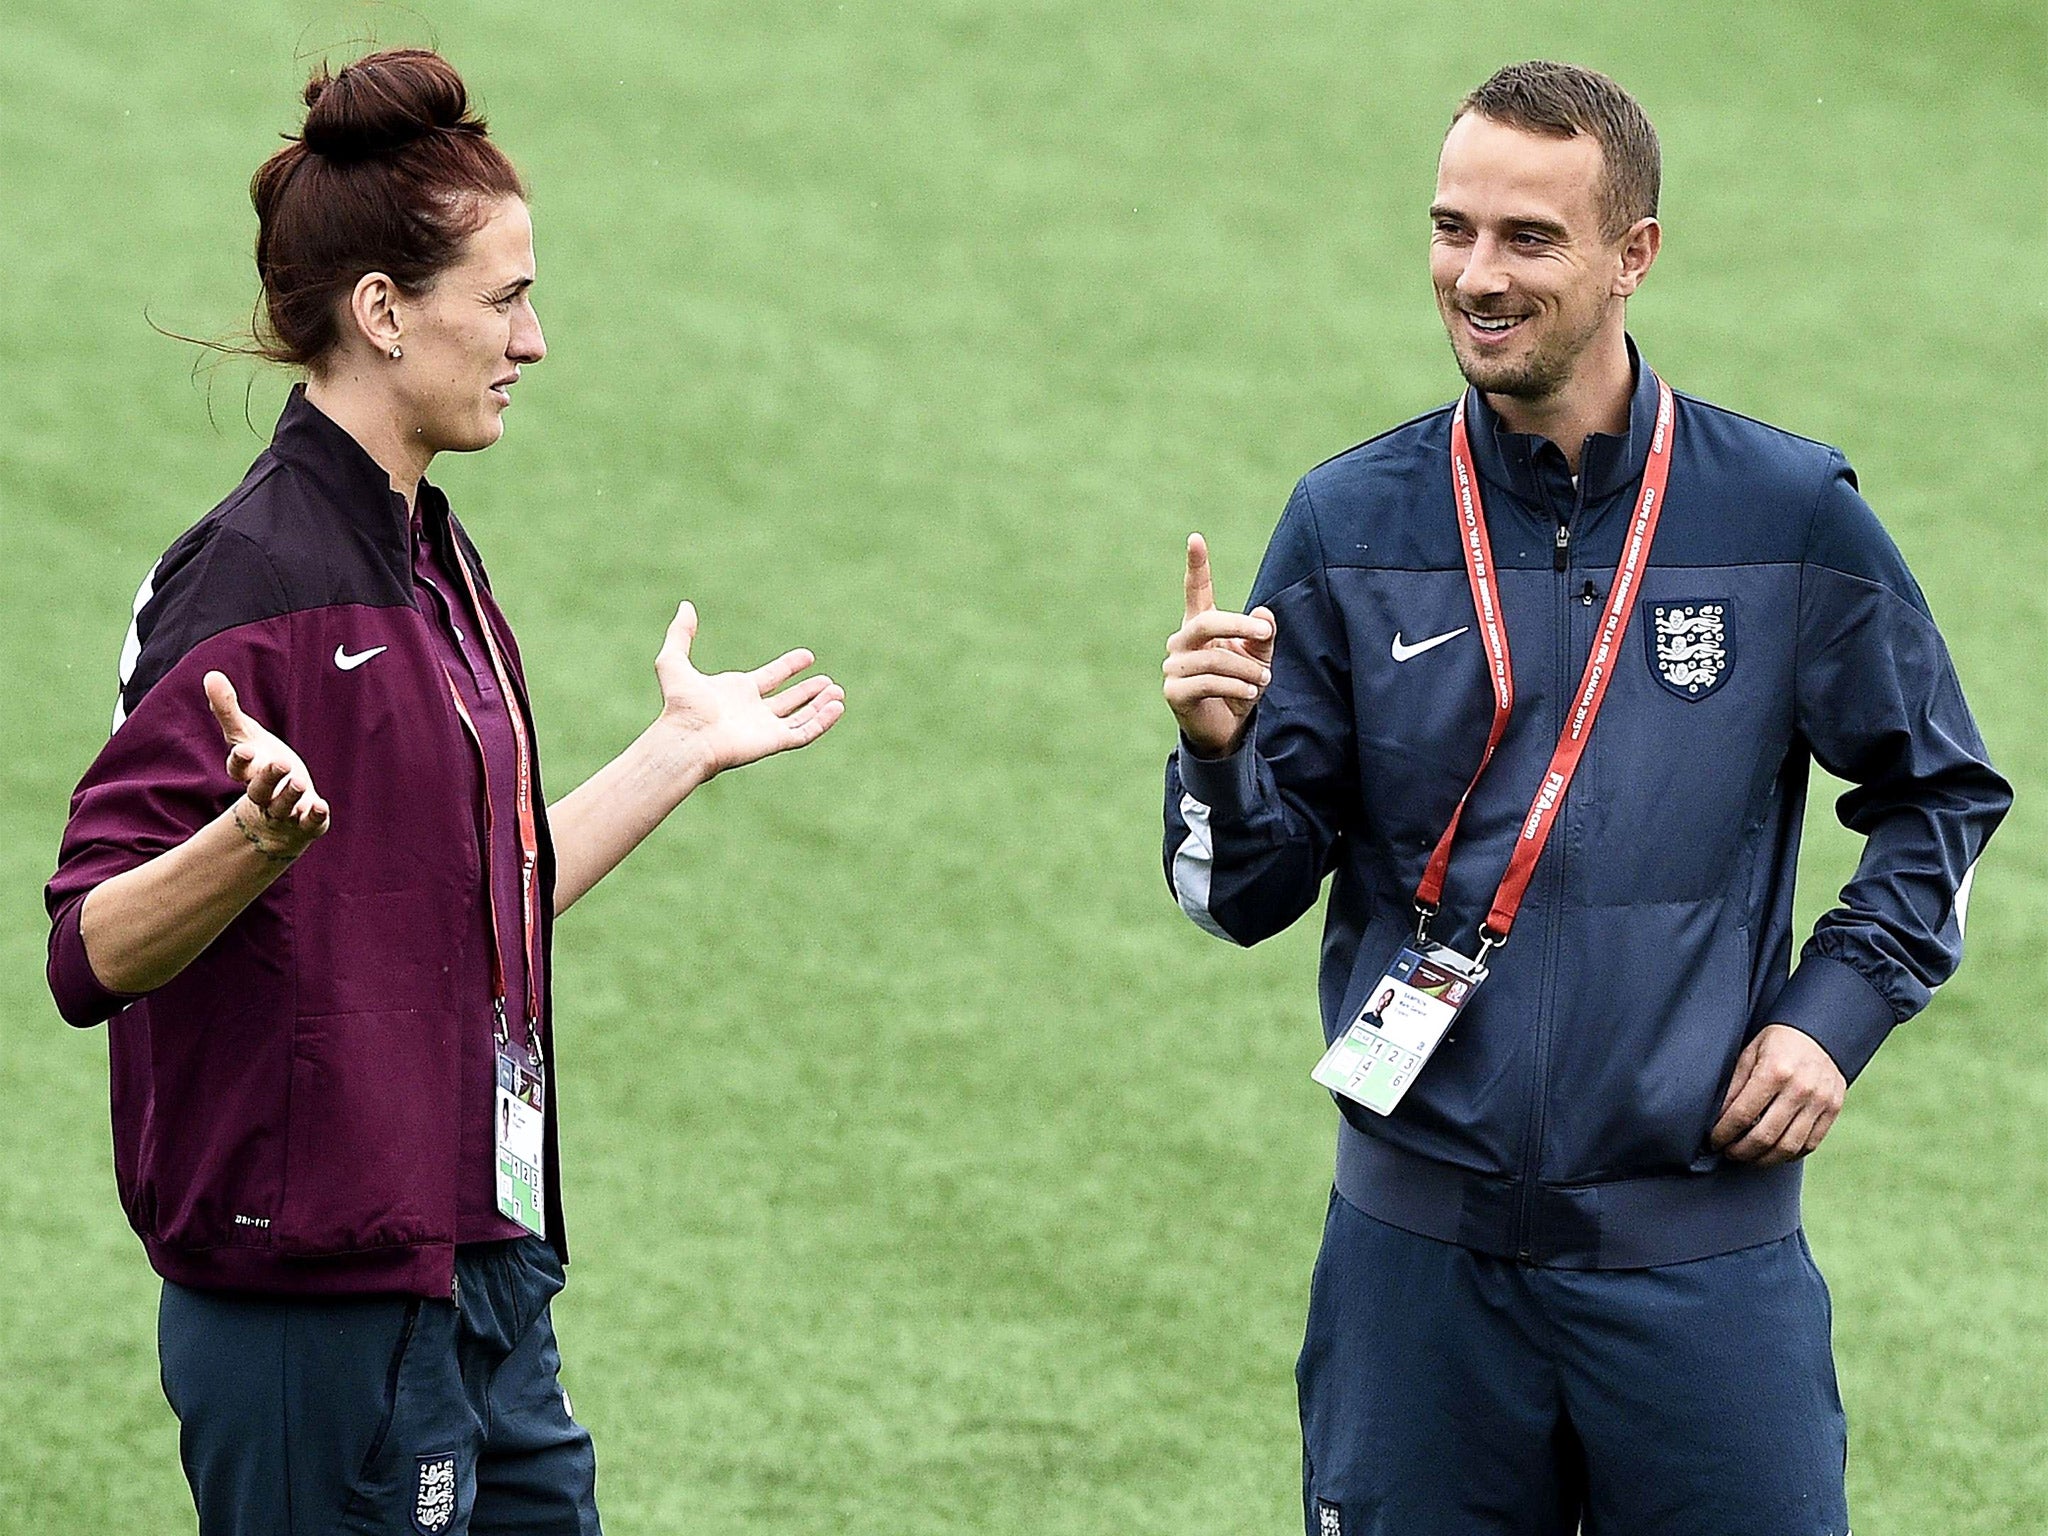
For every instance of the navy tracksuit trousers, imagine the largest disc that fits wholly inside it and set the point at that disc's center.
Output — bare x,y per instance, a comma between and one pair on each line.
381,1414
1448,1393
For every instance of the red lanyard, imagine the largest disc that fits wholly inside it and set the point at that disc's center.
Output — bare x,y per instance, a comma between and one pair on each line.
1585,709
529,829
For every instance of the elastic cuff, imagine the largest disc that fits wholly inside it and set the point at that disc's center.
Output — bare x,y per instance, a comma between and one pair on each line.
81,999
1225,784
1835,1005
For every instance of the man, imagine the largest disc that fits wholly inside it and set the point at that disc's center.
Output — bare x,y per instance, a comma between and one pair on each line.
1562,1279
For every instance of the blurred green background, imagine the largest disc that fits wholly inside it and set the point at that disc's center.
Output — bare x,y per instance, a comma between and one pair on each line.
922,335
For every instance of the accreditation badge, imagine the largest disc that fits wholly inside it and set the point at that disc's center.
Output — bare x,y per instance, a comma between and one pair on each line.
521,1118
1406,1013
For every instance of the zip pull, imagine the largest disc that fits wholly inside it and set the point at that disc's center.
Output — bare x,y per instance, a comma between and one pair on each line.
1564,544
1590,595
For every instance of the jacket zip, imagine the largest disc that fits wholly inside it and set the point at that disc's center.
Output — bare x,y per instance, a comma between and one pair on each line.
1539,1091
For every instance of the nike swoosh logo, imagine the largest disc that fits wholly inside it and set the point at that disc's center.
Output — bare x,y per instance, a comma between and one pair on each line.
1410,652
349,663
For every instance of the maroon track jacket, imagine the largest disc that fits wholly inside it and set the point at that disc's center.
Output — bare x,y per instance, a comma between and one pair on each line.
284,1108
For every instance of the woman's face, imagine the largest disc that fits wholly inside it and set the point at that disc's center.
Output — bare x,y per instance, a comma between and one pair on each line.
465,338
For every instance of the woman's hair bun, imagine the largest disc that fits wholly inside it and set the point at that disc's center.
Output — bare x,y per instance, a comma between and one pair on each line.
391,173
383,102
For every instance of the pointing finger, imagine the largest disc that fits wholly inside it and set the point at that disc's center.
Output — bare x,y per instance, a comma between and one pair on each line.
1201,589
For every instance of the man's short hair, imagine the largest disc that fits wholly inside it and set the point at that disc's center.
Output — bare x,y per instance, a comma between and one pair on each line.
1563,101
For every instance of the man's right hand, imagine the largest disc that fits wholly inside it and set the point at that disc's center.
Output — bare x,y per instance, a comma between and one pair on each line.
286,812
1217,663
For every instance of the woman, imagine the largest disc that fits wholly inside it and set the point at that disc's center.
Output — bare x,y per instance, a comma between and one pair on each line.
326,968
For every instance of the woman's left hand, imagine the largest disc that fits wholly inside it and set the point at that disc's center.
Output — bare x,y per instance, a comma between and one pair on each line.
736,718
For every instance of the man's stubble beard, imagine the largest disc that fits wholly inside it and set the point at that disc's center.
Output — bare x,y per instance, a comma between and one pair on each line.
1539,376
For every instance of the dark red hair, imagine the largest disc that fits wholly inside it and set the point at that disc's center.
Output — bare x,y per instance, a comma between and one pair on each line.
391,173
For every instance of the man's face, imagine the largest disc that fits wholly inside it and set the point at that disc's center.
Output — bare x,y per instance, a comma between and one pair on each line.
1525,278
467,336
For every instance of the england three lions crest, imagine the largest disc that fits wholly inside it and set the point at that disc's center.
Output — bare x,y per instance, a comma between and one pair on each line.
1691,644
434,1498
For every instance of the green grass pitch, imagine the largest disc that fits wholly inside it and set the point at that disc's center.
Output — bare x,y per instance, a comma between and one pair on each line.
922,335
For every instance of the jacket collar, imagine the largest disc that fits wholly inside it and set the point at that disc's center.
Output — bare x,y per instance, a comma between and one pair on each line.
1523,464
311,441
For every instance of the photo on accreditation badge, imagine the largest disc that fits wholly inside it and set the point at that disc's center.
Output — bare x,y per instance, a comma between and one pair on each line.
1431,977
654,916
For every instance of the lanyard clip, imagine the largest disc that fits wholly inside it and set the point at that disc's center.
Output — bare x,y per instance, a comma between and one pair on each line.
498,1018
1424,911
1488,942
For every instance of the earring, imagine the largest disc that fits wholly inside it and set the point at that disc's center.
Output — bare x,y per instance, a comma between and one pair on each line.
396,351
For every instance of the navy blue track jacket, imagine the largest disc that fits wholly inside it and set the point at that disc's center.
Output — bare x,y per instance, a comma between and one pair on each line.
1564,1121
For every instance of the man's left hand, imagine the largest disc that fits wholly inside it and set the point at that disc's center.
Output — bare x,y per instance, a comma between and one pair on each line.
1783,1099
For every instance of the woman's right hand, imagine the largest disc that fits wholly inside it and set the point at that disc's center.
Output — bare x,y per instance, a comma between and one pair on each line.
285,812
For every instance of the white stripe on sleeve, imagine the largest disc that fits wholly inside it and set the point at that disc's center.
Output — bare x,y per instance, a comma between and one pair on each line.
1962,906
131,648
1193,863
1959,914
